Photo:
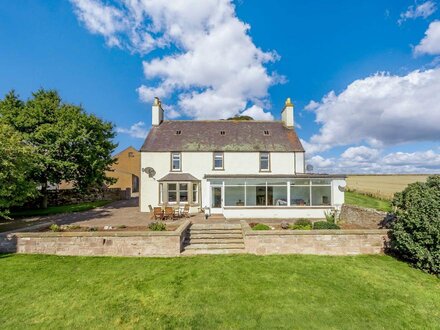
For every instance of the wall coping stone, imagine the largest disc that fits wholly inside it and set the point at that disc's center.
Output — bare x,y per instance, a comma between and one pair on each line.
247,230
177,232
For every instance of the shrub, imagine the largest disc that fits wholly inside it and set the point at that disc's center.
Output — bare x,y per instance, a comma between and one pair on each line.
260,226
303,222
253,224
301,226
325,225
157,226
284,224
415,234
55,227
330,216
122,226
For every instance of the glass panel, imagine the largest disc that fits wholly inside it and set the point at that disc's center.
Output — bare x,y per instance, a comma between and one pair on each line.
216,182
299,195
251,195
176,161
264,161
183,192
321,181
256,182
195,193
172,196
300,182
277,195
260,195
172,186
216,197
160,193
321,195
276,182
218,160
234,196
234,182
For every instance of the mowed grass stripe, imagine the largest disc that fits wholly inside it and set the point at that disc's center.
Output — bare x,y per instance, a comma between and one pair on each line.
209,292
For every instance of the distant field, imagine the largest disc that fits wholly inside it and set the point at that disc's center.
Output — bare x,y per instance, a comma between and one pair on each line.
382,185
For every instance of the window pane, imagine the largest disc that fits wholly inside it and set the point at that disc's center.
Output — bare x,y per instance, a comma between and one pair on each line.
183,196
183,186
176,161
172,186
277,195
234,182
321,181
218,160
300,182
251,195
264,161
160,193
172,196
299,195
321,195
234,196
195,193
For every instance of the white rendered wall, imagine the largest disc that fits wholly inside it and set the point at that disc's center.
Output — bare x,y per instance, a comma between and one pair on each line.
200,163
299,162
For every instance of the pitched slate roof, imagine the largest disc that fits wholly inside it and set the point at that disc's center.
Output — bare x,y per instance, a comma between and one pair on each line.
179,177
189,135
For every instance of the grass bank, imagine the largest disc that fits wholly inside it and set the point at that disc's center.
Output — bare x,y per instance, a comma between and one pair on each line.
18,221
358,199
212,292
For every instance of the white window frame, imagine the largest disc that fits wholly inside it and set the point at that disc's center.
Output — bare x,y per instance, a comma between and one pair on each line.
176,156
263,154
195,192
221,155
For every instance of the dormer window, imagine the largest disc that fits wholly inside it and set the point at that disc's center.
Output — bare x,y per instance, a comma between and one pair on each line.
222,133
178,132
266,132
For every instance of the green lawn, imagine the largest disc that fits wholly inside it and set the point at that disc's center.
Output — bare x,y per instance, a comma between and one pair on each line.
212,292
18,223
354,198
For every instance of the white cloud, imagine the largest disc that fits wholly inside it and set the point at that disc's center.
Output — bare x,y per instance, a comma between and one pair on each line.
424,10
215,68
379,110
366,160
257,113
137,130
430,44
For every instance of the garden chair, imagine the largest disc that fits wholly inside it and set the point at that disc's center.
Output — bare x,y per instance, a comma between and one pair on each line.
157,213
169,213
186,211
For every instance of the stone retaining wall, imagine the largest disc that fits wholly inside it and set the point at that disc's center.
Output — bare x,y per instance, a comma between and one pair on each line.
128,244
323,242
364,217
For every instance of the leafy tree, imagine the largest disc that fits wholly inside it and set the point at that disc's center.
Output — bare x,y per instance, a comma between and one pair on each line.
415,234
237,117
69,144
16,159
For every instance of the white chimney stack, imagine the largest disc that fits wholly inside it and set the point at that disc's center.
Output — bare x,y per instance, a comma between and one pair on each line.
157,112
287,114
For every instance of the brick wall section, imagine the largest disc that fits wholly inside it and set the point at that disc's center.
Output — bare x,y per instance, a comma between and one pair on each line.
320,242
364,217
127,244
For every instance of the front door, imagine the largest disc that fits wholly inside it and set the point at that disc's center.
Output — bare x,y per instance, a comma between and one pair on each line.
216,200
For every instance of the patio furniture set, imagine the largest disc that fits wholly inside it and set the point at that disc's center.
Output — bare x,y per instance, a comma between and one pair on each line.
169,212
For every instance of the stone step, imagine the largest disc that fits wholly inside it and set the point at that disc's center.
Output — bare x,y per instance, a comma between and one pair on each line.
212,251
214,241
215,231
214,246
215,226
214,235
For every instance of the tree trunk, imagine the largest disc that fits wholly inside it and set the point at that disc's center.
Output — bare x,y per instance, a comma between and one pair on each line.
44,193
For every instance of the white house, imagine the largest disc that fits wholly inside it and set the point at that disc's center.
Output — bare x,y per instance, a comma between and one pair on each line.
241,169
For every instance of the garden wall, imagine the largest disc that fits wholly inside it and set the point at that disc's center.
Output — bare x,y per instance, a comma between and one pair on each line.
364,217
128,244
323,242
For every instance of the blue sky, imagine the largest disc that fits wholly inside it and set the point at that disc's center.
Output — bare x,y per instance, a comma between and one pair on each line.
379,60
